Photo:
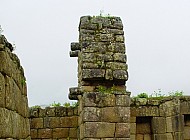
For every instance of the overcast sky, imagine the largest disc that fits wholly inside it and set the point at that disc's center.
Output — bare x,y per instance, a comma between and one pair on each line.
157,36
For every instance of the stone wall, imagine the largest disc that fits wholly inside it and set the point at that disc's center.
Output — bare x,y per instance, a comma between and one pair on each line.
54,123
14,122
104,103
158,119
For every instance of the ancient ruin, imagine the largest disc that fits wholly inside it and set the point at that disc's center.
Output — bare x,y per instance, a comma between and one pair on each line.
105,110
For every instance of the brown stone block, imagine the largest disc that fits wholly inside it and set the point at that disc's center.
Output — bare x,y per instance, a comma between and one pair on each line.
169,136
54,122
170,108
122,100
158,125
69,121
6,123
160,136
139,137
120,75
42,112
134,112
33,133
45,133
91,114
119,38
132,119
186,132
50,111
98,99
133,128
70,111
109,74
122,130
120,57
60,111
33,112
73,132
36,123
99,130
9,90
147,137
179,136
132,137
175,123
60,133
2,91
92,73
88,57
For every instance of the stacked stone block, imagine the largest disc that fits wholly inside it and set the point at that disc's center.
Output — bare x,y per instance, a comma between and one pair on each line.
100,52
54,123
14,122
104,103
166,118
104,116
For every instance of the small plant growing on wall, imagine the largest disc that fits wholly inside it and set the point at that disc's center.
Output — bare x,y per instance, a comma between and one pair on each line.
176,93
142,95
54,104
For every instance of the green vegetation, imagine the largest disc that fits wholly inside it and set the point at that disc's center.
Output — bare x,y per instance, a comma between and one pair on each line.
142,95
108,90
54,104
159,95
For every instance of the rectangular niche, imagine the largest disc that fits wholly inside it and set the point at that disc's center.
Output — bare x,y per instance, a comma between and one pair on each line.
187,127
143,128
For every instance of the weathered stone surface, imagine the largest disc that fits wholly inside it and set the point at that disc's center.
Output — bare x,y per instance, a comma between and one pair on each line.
60,111
109,74
45,133
147,137
60,133
73,133
99,130
2,91
110,114
170,108
186,132
119,38
120,57
133,128
116,66
122,100
50,111
96,99
69,121
144,111
91,114
93,73
75,46
74,53
36,123
34,133
158,125
122,130
175,123
120,74
160,136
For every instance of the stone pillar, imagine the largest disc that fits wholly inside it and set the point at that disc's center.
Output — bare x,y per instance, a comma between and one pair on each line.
14,122
174,126
102,72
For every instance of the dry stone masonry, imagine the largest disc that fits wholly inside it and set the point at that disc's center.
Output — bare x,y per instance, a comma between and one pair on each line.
104,103
14,122
54,123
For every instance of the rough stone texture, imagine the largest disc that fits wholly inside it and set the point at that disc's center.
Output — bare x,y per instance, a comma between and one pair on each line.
54,123
14,122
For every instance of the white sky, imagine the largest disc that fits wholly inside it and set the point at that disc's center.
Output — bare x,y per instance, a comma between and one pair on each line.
157,36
